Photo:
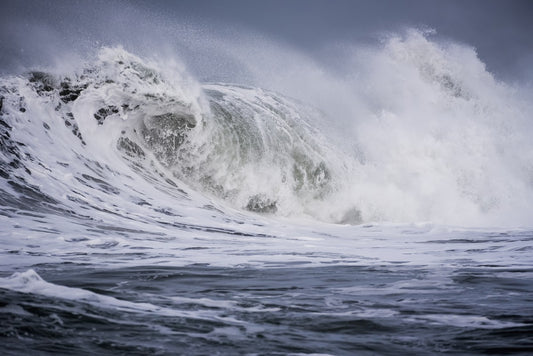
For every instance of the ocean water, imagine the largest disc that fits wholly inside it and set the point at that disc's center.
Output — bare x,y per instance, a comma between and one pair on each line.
145,212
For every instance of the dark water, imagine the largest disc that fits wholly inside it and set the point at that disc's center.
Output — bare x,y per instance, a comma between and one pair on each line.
337,310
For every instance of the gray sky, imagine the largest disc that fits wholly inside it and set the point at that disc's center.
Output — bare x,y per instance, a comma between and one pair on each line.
500,30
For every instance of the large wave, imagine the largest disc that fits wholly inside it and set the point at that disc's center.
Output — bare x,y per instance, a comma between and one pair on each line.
431,135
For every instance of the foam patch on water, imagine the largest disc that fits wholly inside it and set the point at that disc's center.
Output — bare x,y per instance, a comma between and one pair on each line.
465,321
30,282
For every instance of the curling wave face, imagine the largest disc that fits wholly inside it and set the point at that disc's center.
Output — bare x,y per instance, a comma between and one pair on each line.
249,147
439,139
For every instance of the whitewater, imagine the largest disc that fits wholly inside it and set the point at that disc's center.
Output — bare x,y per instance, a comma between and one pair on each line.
386,211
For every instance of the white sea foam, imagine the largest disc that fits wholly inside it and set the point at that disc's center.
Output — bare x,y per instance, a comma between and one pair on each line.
434,137
30,282
465,321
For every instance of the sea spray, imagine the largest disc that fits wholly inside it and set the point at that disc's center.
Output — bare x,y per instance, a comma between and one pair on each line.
432,135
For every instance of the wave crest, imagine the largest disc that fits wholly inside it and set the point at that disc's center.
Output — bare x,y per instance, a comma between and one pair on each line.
437,137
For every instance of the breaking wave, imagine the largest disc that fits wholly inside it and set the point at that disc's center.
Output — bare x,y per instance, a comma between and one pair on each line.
431,135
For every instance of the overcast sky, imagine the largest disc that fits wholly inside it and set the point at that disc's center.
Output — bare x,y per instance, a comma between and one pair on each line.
500,30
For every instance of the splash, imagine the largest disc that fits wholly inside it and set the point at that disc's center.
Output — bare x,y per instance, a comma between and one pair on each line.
427,134
442,140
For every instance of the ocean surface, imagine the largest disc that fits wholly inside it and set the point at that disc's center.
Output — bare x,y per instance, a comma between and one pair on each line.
143,212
